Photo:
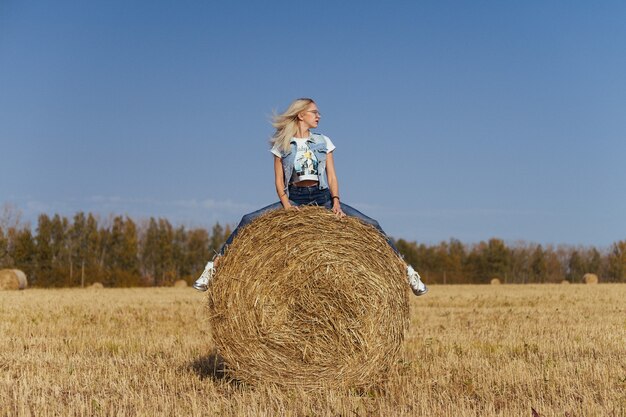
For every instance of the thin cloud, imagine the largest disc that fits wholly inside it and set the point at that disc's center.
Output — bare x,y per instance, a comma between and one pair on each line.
448,212
193,211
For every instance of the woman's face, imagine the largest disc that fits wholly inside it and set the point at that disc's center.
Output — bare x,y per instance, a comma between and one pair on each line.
310,116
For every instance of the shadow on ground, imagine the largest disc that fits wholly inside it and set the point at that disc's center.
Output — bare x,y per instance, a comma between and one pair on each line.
210,366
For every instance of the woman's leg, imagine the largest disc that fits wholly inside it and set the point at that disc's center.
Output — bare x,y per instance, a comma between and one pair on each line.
246,220
415,281
351,211
202,283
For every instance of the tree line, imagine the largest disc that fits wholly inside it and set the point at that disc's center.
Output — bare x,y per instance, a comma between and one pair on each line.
453,262
116,251
119,251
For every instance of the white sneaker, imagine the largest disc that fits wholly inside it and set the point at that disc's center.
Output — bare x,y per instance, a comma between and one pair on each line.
202,283
415,281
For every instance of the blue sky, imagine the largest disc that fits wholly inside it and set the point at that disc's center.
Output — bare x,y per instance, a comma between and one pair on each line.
451,119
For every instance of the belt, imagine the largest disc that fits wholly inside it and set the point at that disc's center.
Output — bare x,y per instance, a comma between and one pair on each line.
310,188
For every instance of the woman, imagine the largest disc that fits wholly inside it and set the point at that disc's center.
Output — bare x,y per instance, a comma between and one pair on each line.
304,173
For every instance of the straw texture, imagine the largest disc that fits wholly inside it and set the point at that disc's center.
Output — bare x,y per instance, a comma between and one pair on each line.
303,298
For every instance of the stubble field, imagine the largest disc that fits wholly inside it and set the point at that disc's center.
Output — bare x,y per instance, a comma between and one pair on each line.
470,351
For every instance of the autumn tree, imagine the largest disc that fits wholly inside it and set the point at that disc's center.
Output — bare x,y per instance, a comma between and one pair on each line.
538,266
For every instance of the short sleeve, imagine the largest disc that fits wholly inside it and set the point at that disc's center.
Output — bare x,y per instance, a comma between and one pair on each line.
330,146
275,151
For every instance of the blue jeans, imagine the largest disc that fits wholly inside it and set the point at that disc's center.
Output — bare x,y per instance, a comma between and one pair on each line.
302,196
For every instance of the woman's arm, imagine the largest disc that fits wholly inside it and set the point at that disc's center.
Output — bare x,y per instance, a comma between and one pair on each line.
279,181
333,185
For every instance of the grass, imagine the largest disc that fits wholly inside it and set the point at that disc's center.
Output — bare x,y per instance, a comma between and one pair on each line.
470,351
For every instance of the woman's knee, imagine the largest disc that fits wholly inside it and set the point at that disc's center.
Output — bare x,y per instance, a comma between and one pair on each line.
350,211
247,219
370,221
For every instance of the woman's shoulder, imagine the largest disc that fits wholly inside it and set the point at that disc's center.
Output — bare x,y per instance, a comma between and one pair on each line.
320,136
330,146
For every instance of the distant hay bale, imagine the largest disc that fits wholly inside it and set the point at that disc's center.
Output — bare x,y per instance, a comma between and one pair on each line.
495,281
21,276
12,279
181,283
96,286
590,279
565,282
8,280
302,298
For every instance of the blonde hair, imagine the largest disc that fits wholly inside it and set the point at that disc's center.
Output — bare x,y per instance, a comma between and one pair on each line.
286,124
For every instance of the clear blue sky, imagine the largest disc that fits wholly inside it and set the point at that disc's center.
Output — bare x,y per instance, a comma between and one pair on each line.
451,119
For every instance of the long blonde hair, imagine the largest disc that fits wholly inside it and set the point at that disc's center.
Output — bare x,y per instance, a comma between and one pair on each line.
286,124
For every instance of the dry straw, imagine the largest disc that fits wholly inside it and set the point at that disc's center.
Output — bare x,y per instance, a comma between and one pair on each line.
302,298
495,281
12,279
96,286
590,279
181,283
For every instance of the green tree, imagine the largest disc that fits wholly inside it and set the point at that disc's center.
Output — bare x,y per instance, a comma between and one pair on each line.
217,238
166,252
179,246
24,251
576,267
43,259
408,251
90,266
617,262
150,251
197,252
497,258
122,262
593,261
60,250
78,246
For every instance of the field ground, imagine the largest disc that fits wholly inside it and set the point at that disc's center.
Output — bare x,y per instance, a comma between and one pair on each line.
470,351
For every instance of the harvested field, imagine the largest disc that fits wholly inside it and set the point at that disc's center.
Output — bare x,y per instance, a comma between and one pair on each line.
470,351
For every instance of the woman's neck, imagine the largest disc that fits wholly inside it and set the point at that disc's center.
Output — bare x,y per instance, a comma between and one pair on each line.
302,132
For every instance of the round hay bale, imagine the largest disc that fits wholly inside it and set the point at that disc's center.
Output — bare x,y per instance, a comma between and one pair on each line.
9,280
96,286
590,279
565,282
21,276
181,283
495,281
302,298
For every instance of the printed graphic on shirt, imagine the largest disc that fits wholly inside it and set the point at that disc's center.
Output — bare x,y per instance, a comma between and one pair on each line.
305,165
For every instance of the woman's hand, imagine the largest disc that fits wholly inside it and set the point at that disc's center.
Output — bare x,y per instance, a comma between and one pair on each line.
289,206
338,211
